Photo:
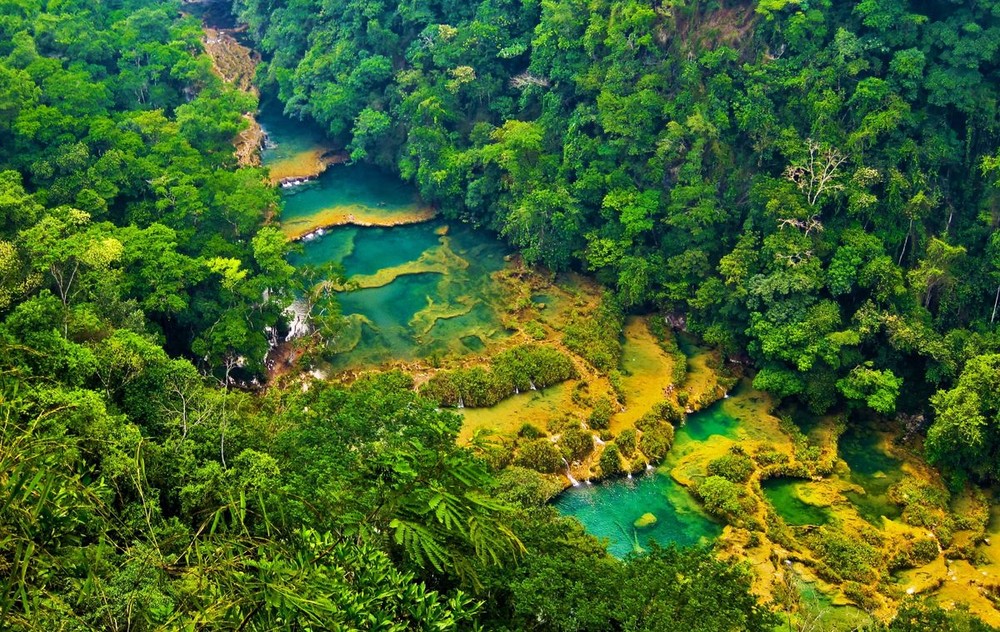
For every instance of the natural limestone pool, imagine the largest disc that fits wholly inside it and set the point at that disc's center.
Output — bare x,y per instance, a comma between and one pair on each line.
785,496
873,471
423,286
609,509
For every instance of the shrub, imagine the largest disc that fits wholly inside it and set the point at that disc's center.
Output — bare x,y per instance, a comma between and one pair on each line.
768,456
595,337
525,487
611,460
600,416
530,364
851,558
627,442
735,468
656,442
497,454
534,329
576,443
863,596
516,369
726,500
669,411
479,387
540,455
441,388
615,380
529,431
923,551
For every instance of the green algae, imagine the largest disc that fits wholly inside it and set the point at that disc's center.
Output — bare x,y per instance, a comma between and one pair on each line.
784,496
645,520
873,471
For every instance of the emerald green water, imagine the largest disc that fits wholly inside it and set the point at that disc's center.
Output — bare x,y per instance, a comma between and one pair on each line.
871,469
714,420
608,509
432,293
289,138
353,188
783,495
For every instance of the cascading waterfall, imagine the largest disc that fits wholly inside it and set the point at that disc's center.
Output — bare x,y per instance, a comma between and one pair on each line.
533,387
298,319
572,480
461,403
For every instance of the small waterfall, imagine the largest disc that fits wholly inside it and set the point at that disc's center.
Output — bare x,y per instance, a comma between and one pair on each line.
630,476
517,391
533,387
725,395
597,440
569,475
298,324
461,404
649,466
588,482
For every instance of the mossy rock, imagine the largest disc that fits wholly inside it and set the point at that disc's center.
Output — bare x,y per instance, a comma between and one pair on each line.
645,520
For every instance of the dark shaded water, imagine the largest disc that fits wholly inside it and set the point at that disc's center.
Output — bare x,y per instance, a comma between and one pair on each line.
871,469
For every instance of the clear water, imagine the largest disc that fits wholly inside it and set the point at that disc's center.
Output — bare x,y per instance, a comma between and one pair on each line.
289,139
783,495
360,189
406,312
608,509
714,420
871,469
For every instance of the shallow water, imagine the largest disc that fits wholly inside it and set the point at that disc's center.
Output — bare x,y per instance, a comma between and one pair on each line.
783,495
714,420
818,614
608,509
646,371
445,305
345,194
426,286
871,469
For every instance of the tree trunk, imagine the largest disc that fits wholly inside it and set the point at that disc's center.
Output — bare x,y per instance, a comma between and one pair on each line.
995,302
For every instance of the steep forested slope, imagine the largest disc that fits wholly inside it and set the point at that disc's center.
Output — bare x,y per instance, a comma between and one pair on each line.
811,182
138,489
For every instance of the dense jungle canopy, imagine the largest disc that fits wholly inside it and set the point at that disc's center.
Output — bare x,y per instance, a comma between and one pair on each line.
811,185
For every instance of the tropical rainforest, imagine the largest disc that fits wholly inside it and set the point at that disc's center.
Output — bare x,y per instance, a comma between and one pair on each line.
811,187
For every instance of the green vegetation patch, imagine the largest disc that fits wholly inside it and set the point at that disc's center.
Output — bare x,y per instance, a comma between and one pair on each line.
516,370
